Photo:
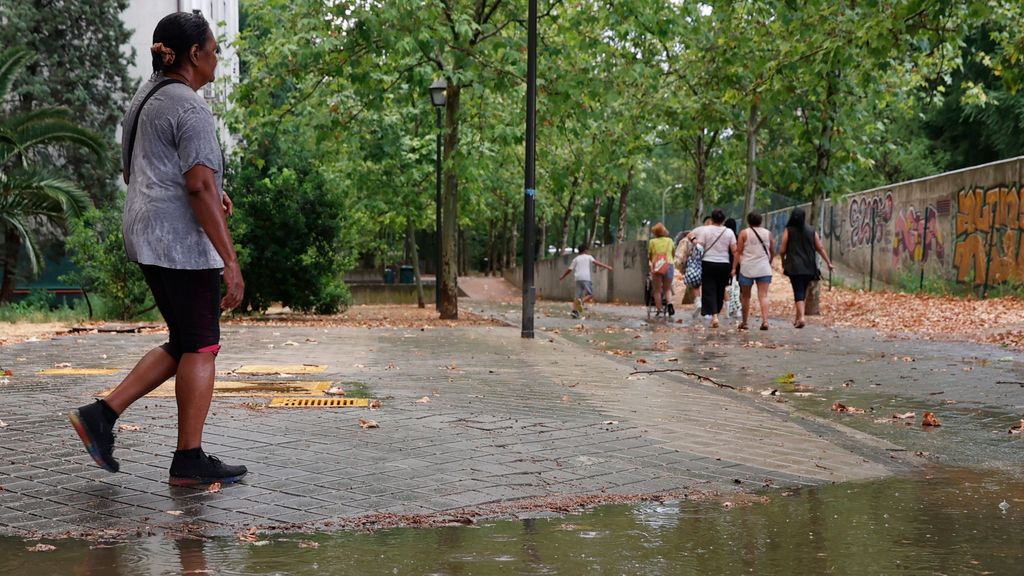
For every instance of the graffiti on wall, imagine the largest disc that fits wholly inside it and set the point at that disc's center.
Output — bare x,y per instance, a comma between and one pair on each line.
917,234
989,224
860,218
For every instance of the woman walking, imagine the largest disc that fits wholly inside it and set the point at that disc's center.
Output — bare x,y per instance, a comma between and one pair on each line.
660,251
175,228
753,265
718,241
798,247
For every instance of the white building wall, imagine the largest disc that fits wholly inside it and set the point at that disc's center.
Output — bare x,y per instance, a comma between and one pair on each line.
142,16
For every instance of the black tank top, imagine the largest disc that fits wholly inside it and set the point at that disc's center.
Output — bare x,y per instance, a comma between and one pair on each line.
800,255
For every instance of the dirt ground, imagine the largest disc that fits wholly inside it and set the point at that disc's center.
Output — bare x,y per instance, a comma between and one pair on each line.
997,321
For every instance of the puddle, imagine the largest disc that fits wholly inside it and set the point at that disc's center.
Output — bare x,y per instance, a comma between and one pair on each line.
940,521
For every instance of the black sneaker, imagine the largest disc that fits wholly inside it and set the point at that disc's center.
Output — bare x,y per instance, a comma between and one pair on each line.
202,469
96,433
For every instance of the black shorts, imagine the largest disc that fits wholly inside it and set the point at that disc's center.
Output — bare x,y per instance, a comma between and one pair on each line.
189,301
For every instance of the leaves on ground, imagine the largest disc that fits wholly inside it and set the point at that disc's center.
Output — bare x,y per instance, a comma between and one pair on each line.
905,415
364,423
786,378
929,419
128,428
41,548
424,400
335,391
1017,428
215,487
308,544
842,408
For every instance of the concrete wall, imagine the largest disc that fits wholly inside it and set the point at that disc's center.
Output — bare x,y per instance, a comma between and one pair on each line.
975,221
625,284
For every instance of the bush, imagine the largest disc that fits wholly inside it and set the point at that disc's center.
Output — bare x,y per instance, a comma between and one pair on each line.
290,224
96,247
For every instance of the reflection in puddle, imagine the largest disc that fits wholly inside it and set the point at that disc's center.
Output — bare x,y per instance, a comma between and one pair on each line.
939,521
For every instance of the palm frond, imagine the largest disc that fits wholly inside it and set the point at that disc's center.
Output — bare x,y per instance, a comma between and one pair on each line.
58,132
27,238
12,61
32,192
18,121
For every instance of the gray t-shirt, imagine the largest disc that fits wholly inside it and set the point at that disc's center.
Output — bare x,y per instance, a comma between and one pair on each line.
176,132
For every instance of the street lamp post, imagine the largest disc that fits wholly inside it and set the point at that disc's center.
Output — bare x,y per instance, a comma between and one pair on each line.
437,98
530,192
663,192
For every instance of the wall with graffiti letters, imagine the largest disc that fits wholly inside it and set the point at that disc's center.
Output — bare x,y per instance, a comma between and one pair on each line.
966,226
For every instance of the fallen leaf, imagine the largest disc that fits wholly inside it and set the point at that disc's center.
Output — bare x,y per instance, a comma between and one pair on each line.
611,422
215,487
771,392
8,373
308,544
424,400
364,424
128,428
248,535
62,365
311,340
359,365
174,512
641,361
929,419
1015,429
840,407
290,343
374,404
566,398
786,379
335,391
905,415
41,548
3,424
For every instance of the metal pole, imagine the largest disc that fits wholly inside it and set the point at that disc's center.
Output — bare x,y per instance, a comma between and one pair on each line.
437,213
924,249
530,194
663,192
871,266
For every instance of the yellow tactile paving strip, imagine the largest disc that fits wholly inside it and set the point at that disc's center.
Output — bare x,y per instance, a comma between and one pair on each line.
78,371
258,388
266,369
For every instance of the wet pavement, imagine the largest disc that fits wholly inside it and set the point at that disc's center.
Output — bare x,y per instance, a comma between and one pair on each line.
612,405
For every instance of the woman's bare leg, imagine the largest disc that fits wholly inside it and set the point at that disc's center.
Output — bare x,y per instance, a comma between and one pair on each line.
193,391
745,303
762,299
151,371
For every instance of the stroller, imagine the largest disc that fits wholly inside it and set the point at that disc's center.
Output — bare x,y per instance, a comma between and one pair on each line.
670,310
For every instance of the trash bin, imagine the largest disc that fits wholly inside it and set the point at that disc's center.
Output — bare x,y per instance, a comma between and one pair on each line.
389,276
405,275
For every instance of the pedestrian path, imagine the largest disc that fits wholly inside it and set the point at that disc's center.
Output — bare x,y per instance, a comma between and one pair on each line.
469,416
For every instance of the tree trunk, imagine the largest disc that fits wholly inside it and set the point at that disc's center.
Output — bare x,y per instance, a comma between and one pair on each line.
620,232
564,236
12,248
543,240
700,164
410,234
823,151
596,220
753,125
490,248
450,214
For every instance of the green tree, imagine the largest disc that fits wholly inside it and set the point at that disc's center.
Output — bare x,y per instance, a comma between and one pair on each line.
30,192
82,58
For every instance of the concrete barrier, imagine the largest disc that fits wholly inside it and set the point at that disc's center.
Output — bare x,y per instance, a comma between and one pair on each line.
625,284
965,226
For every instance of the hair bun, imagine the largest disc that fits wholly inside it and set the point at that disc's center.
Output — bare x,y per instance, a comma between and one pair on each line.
165,53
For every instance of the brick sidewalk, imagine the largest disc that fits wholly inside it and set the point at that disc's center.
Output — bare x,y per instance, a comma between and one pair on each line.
508,419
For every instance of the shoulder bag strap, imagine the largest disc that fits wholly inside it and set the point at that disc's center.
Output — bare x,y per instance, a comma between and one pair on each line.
706,250
135,125
766,253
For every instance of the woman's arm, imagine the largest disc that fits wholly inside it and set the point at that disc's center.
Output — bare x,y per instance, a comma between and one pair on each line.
784,244
740,243
820,248
210,211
